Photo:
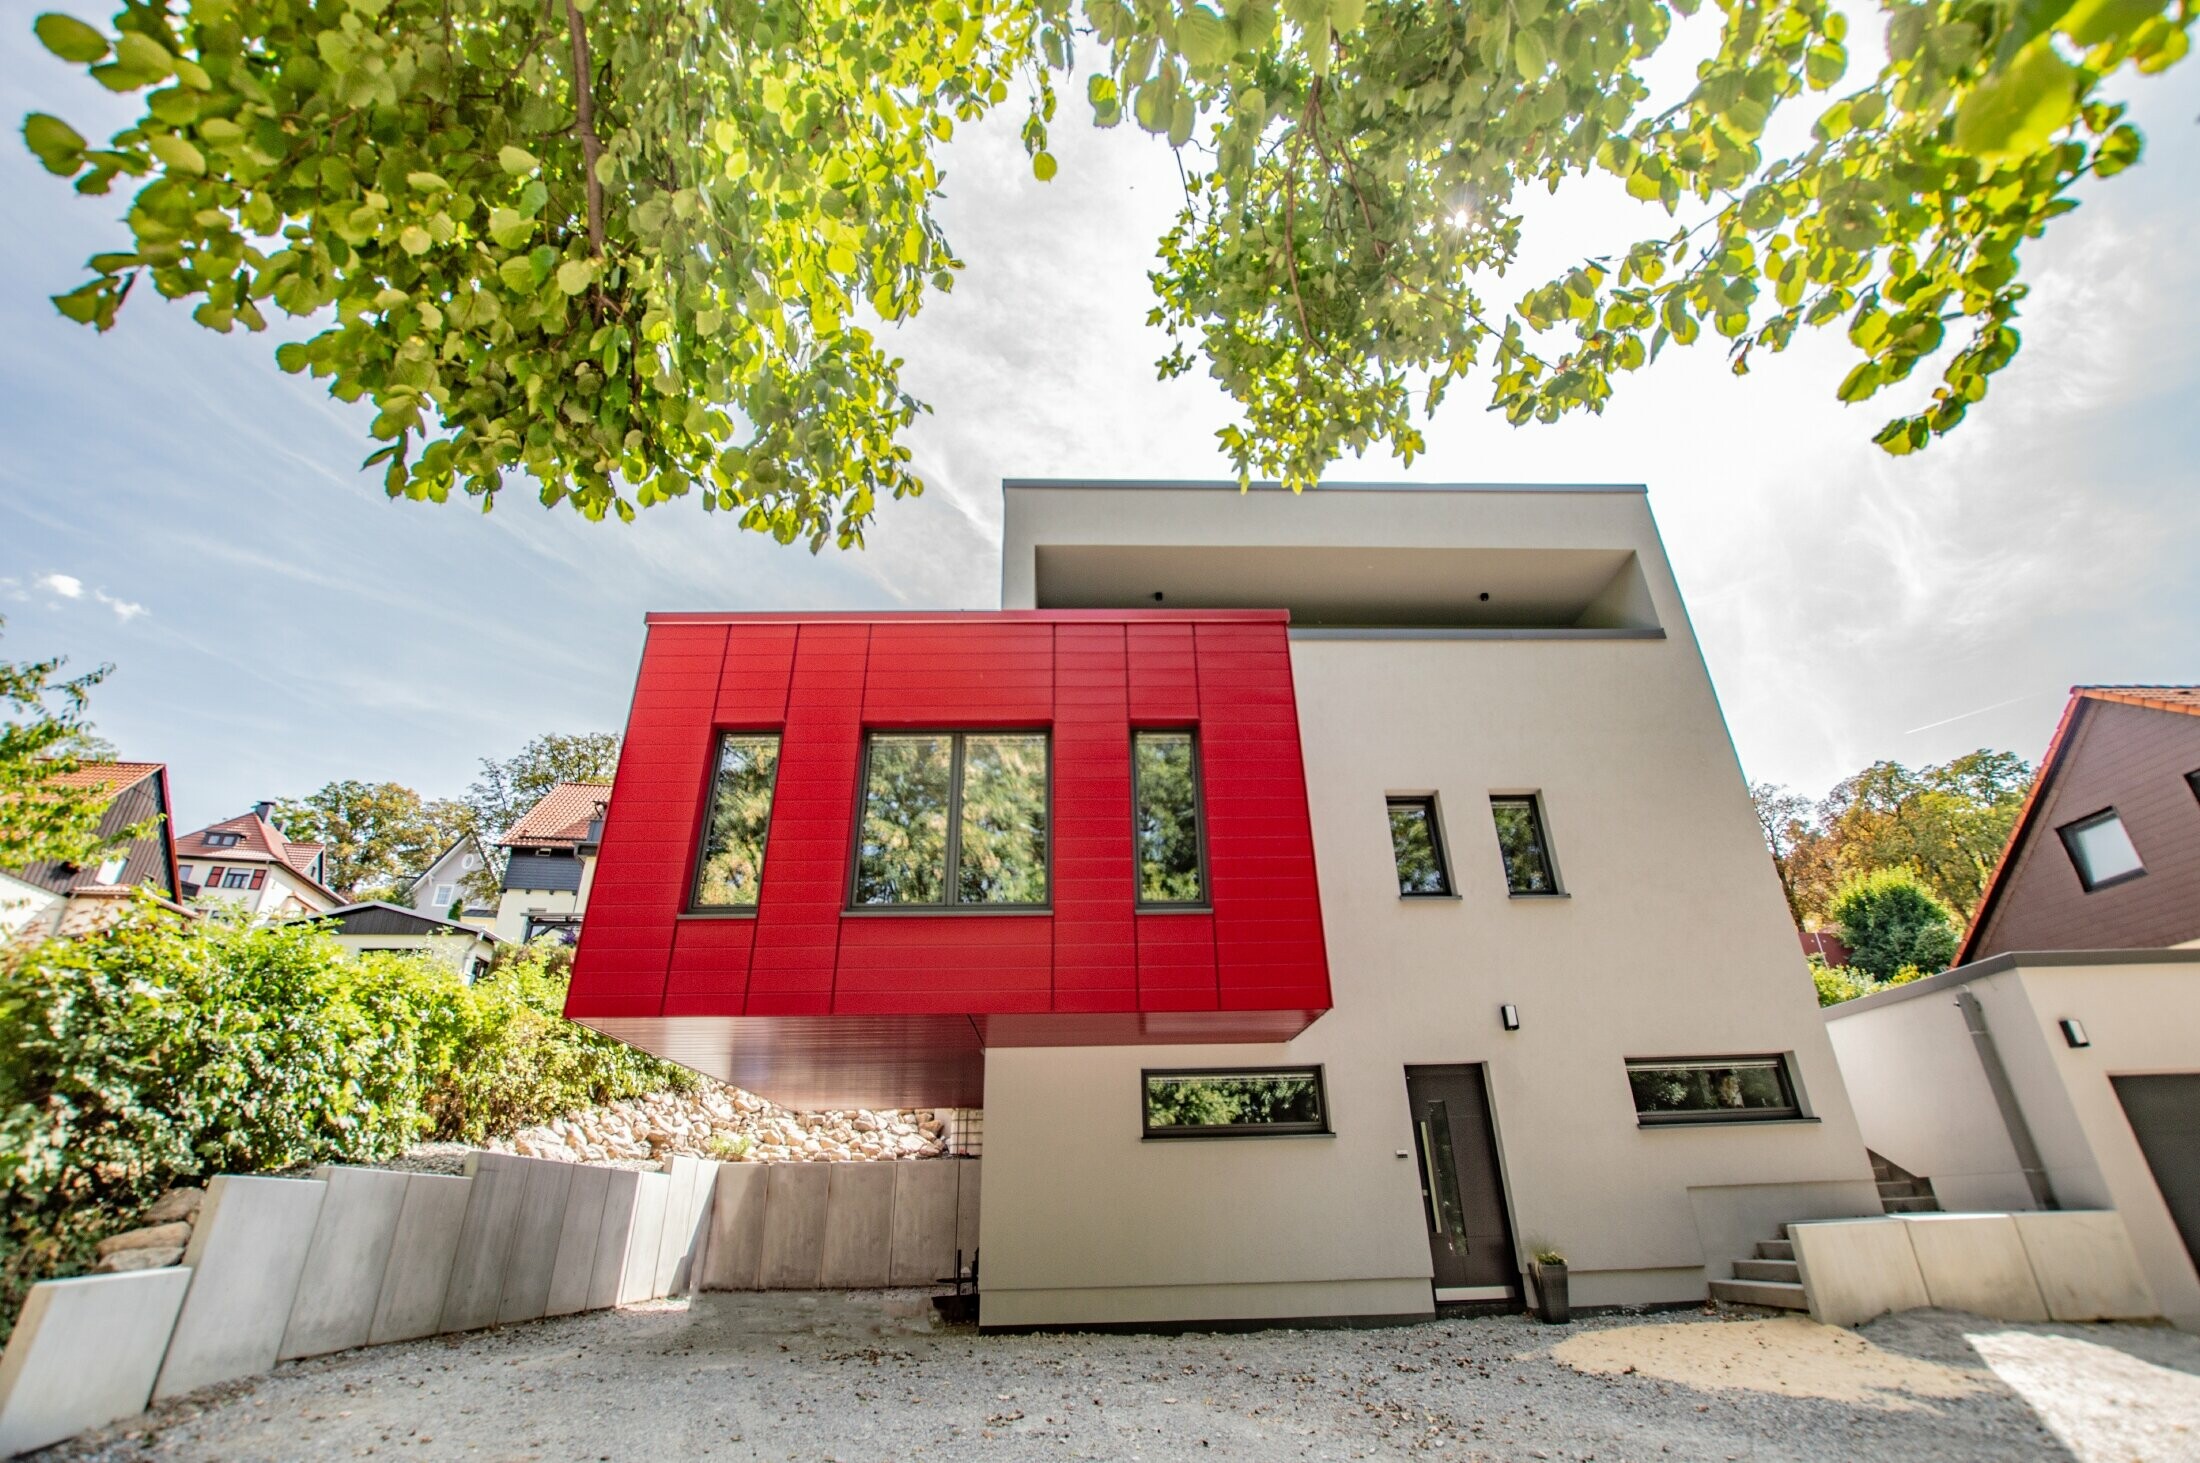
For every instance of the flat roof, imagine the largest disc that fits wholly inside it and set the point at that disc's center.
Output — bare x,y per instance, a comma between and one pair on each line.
2008,960
1266,485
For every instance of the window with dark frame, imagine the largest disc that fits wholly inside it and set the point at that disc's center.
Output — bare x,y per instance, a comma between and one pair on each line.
729,867
1234,1102
1671,1090
1523,844
1417,846
2100,848
1165,801
953,820
2192,780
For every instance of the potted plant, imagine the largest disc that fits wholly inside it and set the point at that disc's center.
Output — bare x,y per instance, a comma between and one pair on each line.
1550,1287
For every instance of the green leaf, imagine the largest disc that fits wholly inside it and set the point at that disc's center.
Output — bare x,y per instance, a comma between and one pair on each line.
1205,38
2017,110
1042,166
415,241
2090,22
58,145
517,161
144,55
518,274
69,38
509,228
574,275
1530,55
292,356
179,155
424,182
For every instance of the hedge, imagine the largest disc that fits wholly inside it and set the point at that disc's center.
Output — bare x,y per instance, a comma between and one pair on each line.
165,1050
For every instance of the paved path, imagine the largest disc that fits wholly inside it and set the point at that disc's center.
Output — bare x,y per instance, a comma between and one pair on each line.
865,1378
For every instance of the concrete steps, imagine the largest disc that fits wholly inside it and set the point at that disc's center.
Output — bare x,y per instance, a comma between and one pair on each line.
1775,1294
1775,1249
1783,1271
1900,1191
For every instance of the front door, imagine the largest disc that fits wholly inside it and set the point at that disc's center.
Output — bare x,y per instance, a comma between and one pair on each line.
1462,1194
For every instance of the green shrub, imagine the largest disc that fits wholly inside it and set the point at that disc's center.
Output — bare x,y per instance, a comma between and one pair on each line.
1890,920
1838,983
163,1051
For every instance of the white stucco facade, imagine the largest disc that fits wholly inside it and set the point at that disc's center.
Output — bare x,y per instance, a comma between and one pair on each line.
1576,679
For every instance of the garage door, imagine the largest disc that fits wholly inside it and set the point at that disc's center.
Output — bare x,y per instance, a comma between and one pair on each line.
2165,1115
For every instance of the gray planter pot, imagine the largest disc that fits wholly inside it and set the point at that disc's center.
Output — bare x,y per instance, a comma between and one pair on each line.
1551,1302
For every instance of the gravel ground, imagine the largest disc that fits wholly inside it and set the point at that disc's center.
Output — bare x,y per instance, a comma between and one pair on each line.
866,1376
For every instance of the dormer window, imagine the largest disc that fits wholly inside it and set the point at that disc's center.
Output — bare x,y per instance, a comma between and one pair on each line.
110,870
224,840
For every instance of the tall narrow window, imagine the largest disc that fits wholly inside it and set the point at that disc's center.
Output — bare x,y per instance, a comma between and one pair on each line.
1165,772
2102,850
730,871
953,819
1418,848
1521,840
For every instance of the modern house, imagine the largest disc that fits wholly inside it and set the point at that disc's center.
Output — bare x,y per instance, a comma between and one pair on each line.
550,859
2106,852
2058,1064
374,927
246,862
55,898
1330,901
436,889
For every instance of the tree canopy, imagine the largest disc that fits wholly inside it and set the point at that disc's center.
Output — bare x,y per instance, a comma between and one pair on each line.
377,833
1944,824
507,789
43,736
645,250
1891,923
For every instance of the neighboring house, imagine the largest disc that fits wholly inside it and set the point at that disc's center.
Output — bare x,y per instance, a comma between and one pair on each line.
1826,945
247,862
2106,853
1330,900
550,862
443,883
56,898
375,926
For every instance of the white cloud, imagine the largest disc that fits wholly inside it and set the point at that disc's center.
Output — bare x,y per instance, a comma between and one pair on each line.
68,586
125,610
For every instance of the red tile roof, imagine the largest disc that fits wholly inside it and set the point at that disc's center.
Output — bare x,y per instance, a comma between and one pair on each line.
259,841
2184,700
112,776
561,817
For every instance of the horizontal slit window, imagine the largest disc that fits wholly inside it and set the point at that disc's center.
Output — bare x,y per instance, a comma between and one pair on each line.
954,820
729,870
1235,1102
1711,1089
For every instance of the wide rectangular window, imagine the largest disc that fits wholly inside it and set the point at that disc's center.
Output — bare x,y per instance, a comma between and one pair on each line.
1521,840
2102,850
729,872
1711,1089
953,819
1165,780
1235,1103
1418,848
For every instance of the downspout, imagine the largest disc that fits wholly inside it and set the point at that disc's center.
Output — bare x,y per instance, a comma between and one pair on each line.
2005,1098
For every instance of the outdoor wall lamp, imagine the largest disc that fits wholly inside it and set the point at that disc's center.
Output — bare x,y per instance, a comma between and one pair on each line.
1510,1015
2073,1031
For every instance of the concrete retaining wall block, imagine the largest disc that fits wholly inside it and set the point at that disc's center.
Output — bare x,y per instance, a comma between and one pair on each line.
736,1246
859,1226
341,1283
247,1251
84,1353
484,1243
640,1275
1854,1269
794,1225
536,1234
422,1252
607,1273
577,1231
2085,1266
923,1247
1976,1263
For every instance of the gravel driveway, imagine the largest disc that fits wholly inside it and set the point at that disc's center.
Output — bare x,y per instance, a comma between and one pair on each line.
865,1376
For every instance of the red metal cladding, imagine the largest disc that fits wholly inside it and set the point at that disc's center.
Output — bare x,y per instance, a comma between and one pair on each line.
814,1005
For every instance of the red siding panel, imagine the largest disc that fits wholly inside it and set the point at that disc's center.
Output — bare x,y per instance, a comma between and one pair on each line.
807,998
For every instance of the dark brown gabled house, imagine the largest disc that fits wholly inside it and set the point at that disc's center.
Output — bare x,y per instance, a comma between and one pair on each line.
2106,854
56,898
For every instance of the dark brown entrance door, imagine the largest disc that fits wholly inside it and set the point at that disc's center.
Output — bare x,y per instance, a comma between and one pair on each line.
1462,1194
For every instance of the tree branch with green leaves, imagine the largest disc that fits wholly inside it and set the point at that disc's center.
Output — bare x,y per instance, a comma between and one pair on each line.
647,251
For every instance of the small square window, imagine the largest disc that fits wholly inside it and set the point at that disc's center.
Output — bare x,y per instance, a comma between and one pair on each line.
1235,1102
953,820
444,894
1418,846
1711,1090
1527,852
2101,850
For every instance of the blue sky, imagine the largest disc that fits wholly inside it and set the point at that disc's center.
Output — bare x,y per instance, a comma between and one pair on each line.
174,505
